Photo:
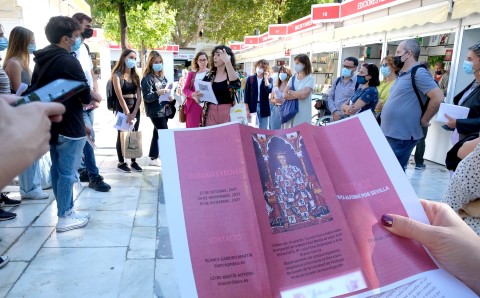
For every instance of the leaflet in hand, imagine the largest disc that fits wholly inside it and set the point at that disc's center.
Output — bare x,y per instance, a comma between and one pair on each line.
454,111
207,91
278,93
122,122
293,213
166,97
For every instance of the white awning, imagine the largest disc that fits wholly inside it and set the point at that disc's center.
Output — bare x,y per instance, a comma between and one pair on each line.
463,8
437,13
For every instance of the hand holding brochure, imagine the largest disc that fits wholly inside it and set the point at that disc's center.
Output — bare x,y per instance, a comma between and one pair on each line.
207,91
293,213
166,97
457,112
122,122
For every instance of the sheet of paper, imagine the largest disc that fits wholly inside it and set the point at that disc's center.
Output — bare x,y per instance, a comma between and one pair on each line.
207,91
166,97
457,112
122,124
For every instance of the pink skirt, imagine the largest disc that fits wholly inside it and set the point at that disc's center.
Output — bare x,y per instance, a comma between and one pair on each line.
218,114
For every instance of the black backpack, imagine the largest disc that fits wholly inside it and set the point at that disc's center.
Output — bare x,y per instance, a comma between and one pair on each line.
414,71
112,99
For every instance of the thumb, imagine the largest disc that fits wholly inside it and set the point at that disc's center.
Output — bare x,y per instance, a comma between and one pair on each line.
407,227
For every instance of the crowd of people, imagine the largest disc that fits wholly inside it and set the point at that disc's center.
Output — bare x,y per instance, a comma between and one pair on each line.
404,103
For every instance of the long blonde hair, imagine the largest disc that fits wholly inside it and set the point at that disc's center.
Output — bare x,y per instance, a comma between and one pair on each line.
150,59
19,40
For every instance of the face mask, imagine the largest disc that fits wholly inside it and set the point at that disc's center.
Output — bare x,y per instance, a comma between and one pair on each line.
346,72
32,48
438,72
157,66
385,70
397,60
130,63
298,67
467,67
259,71
87,33
282,76
3,43
361,80
77,44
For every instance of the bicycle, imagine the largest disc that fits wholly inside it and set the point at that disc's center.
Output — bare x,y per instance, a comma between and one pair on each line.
323,117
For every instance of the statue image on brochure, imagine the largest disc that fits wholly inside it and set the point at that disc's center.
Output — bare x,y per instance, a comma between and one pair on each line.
292,192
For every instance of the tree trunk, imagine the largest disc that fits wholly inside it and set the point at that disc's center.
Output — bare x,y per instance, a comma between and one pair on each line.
123,25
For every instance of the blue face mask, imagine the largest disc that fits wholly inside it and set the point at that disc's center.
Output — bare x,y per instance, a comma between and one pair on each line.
282,76
361,80
3,43
385,70
32,48
130,63
77,44
346,72
157,66
468,67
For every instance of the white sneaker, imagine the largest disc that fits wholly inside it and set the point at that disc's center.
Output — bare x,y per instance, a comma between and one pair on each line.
154,162
78,214
35,195
69,222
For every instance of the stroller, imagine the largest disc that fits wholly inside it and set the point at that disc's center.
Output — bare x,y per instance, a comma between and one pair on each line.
323,116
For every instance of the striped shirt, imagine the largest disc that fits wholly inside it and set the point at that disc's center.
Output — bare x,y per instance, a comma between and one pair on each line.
4,82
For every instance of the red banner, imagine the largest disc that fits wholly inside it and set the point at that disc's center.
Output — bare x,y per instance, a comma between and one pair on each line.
356,6
237,46
274,30
300,24
251,40
325,12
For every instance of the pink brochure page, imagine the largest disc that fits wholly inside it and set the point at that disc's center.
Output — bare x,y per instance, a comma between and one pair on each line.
223,238
365,193
304,232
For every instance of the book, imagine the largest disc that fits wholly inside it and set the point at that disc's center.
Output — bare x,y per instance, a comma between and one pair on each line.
455,111
293,213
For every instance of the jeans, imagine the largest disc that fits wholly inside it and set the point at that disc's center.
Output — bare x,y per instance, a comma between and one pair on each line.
276,117
262,121
30,180
89,163
119,144
66,156
420,150
402,149
158,123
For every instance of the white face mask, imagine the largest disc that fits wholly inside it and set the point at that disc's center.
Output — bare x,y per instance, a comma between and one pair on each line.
298,67
282,76
259,70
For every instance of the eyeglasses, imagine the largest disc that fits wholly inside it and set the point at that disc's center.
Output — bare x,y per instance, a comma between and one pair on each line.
350,67
202,60
385,65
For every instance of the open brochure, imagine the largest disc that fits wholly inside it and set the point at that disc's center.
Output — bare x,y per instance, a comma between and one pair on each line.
455,111
293,213
207,91
166,96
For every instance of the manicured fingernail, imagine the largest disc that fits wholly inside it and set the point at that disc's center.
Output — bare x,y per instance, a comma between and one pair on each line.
387,221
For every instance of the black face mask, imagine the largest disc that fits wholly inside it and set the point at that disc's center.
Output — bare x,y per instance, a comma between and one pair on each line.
397,60
87,33
438,72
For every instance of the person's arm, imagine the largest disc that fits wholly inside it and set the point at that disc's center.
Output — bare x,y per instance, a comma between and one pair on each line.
232,74
443,84
150,94
95,82
137,104
449,239
436,98
467,148
14,72
26,142
118,91
187,90
247,95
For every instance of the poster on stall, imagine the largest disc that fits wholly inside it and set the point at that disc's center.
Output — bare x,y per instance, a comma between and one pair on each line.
292,213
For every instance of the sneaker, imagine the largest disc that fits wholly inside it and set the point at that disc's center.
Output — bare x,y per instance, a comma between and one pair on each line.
7,202
136,167
4,261
98,184
154,162
83,175
78,214
122,167
70,222
37,195
420,167
5,215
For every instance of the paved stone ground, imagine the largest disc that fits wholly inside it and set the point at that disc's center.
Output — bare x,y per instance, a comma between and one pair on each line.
124,251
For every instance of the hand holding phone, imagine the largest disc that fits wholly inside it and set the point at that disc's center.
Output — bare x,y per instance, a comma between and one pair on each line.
55,91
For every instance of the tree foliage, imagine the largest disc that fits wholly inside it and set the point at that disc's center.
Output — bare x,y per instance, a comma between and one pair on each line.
295,9
149,26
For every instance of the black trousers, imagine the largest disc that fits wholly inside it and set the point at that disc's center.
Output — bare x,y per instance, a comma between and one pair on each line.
119,145
158,123
420,150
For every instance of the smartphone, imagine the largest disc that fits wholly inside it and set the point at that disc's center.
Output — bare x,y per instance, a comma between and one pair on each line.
55,91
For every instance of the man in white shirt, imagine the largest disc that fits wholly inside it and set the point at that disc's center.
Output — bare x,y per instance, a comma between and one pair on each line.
89,171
